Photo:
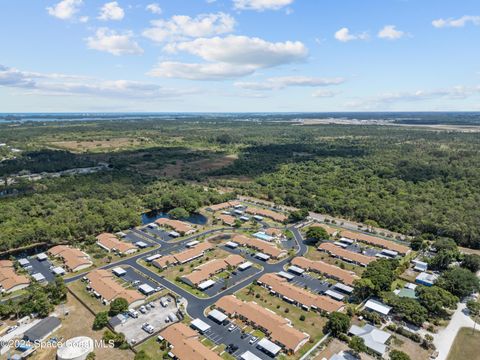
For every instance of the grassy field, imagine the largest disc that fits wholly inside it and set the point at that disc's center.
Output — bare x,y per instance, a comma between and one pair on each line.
79,323
313,323
79,288
466,345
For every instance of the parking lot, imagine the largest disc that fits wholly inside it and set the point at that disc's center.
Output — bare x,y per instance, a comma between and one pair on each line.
358,249
134,277
156,316
219,334
158,232
234,279
133,236
42,267
315,285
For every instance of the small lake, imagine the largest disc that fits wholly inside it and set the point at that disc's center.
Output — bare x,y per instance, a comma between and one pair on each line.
151,216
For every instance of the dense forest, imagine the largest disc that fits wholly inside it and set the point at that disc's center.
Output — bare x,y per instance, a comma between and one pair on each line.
415,180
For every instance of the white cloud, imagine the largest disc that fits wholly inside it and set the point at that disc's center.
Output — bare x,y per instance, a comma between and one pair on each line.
390,32
83,19
459,22
65,9
324,93
181,27
61,84
111,11
114,43
243,50
261,5
154,8
278,83
344,35
228,57
195,71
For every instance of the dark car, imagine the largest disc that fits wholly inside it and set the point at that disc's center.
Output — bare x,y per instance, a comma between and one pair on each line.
232,348
243,336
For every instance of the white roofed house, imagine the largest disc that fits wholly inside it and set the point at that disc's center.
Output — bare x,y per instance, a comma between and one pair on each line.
374,339
378,307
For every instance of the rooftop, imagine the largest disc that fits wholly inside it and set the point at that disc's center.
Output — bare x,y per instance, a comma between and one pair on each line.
103,282
344,276
377,241
374,338
345,254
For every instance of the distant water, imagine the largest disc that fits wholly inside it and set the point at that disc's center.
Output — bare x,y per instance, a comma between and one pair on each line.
465,118
149,217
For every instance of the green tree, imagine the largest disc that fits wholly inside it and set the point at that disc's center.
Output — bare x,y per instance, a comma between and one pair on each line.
178,213
57,290
381,273
101,320
298,215
338,323
442,260
446,244
357,345
471,262
436,300
459,281
117,306
317,233
363,288
91,356
408,309
398,355
417,244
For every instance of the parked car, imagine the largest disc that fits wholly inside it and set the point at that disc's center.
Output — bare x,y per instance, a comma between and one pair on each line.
253,340
151,304
143,309
232,348
133,313
11,328
148,328
244,335
231,327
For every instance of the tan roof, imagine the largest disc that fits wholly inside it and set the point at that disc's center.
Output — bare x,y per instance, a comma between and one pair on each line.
192,253
205,271
279,328
347,277
177,225
72,257
374,240
165,260
224,205
349,255
9,278
103,282
273,232
111,242
330,230
267,213
227,219
260,245
300,295
185,344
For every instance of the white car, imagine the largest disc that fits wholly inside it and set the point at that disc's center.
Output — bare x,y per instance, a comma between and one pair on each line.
143,309
148,328
231,327
253,339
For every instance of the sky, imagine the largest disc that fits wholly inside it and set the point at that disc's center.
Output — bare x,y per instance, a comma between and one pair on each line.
239,55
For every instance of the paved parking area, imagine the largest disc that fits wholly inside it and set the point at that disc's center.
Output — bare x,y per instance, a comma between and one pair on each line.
133,237
156,317
358,249
315,285
132,276
42,267
219,334
234,279
159,232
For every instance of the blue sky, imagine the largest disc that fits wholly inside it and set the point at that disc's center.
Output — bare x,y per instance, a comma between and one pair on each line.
239,55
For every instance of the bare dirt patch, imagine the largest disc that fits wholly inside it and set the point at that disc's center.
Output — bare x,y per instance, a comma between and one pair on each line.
107,144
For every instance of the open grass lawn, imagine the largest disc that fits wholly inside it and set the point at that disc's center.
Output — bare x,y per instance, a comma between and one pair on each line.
79,323
79,288
313,323
314,254
466,345
152,348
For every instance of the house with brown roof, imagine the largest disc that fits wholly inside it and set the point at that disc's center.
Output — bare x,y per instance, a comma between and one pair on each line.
74,259
375,241
10,281
299,296
103,284
224,205
260,245
181,227
205,271
277,233
275,216
346,255
331,271
185,344
227,219
183,256
111,243
277,328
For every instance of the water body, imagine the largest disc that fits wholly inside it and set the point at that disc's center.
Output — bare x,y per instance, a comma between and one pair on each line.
197,219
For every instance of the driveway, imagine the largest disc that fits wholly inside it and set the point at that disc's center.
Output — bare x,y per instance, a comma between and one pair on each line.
443,340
